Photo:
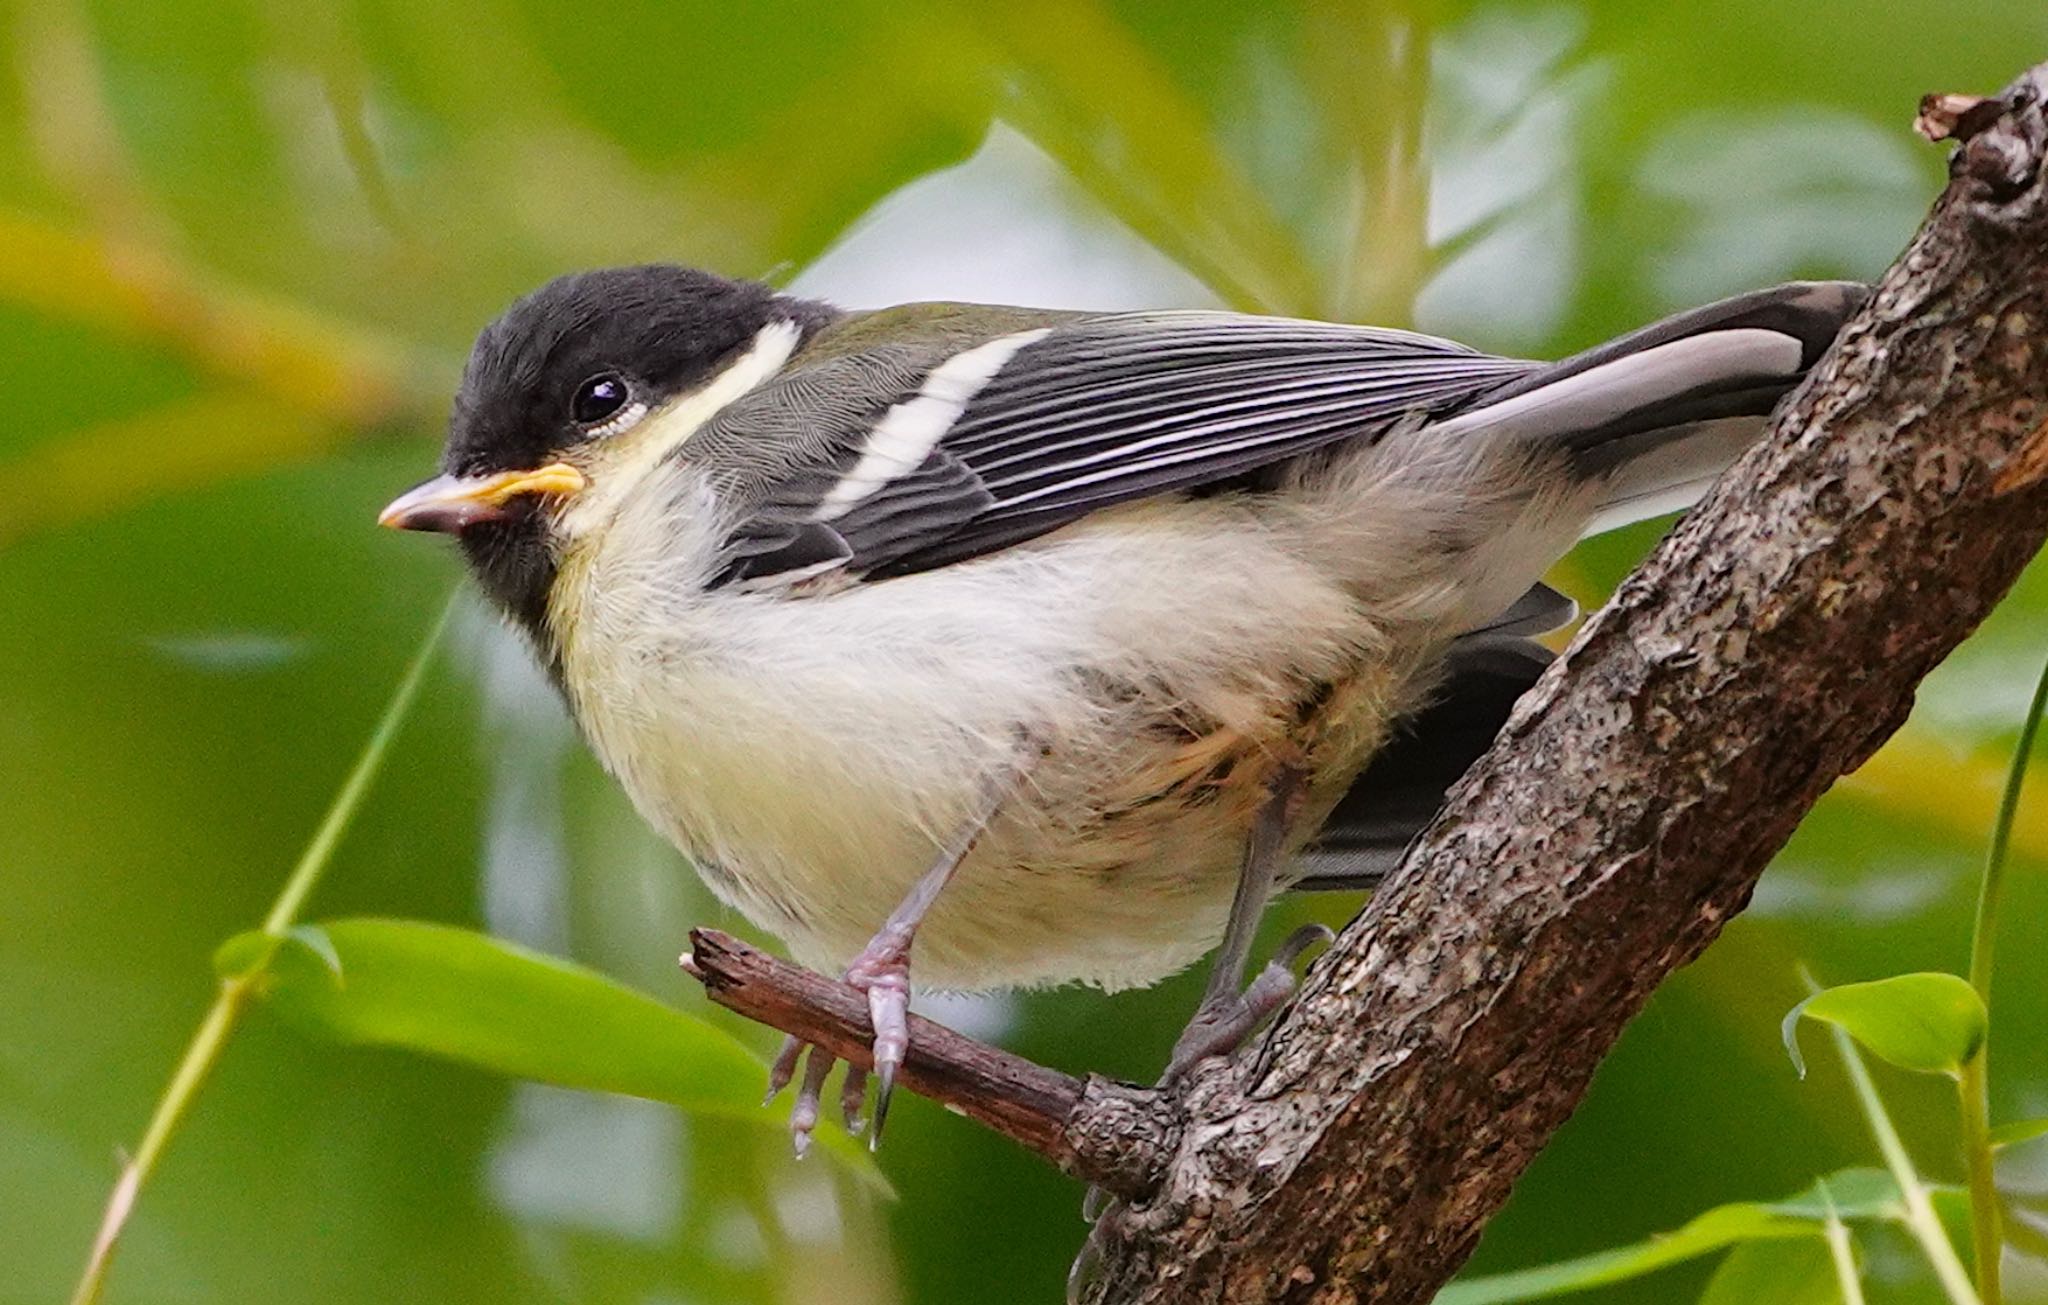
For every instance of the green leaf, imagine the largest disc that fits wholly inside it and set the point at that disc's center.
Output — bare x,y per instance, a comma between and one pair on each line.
245,955
1716,1230
1786,1272
1854,1194
1930,1023
468,997
1857,1194
2018,1131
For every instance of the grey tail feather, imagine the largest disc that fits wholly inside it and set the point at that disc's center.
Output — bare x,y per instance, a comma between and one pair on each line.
1656,415
1400,791
1659,413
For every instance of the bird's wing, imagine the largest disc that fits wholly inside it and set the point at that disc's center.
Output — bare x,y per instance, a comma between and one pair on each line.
1028,431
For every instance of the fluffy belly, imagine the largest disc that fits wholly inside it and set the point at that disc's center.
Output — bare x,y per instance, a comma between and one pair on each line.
812,754
1112,860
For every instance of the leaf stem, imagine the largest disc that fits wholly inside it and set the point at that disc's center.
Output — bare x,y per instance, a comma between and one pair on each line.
312,863
1841,1251
1987,1233
1983,936
1921,1220
234,992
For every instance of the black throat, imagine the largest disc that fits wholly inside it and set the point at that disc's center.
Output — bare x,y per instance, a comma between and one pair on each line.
515,566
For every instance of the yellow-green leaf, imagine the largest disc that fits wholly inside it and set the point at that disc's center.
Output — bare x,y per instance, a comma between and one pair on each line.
1716,1230
1782,1272
1855,1195
2018,1131
1931,1023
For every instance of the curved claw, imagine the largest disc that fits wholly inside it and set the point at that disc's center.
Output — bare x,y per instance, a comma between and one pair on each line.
1294,944
887,981
1087,1263
885,1087
1093,1202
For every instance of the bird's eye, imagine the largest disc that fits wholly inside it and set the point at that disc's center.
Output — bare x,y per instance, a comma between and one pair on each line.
598,399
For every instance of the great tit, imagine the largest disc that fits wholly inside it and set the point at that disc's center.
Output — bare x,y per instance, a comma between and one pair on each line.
1057,640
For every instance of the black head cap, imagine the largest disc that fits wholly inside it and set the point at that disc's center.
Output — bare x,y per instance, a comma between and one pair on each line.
653,332
661,329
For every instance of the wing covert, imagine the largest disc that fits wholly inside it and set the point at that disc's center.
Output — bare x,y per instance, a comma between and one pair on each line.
1030,431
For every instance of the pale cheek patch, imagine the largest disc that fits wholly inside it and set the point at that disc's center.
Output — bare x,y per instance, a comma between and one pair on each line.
622,462
910,430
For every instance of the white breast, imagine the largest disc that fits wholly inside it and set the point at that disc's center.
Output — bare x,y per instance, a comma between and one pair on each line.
813,752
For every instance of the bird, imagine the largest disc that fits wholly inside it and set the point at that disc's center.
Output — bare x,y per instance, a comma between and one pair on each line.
1052,642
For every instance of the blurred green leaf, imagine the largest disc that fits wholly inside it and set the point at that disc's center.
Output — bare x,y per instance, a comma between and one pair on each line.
1774,1273
1088,90
2018,1131
1930,1023
245,955
1716,1230
1852,1193
468,997
1859,1194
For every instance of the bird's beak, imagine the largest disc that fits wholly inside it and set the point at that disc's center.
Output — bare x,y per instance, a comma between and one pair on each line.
452,504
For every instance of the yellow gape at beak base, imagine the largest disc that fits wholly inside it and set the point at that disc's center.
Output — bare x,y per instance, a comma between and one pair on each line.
451,504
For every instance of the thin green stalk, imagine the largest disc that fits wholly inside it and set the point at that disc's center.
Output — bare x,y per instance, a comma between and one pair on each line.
1921,1220
234,994
1984,934
1369,71
1987,1233
1842,1252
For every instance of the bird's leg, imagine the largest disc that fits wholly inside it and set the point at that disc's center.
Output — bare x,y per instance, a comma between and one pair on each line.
882,971
1230,1010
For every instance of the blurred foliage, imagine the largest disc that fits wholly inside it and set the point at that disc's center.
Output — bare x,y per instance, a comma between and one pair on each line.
243,246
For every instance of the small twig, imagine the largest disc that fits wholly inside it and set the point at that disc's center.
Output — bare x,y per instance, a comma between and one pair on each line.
1111,1134
1956,117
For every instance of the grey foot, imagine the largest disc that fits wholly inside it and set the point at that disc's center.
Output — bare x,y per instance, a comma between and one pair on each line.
882,973
1218,1028
1221,1024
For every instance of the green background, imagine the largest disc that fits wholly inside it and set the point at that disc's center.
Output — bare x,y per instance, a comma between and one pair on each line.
243,246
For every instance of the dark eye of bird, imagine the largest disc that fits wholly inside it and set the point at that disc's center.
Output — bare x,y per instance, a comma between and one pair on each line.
598,398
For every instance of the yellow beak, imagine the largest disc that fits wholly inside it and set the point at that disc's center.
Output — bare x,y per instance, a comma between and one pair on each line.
452,504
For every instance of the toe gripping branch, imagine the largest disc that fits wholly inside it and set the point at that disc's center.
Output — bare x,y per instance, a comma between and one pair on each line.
1113,1135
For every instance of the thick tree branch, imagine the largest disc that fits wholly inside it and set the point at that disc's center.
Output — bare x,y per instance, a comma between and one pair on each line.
1766,649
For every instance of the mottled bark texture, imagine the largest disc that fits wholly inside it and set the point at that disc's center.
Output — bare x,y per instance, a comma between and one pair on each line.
1769,646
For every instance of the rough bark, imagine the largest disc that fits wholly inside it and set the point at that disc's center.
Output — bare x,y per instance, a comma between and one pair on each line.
1768,647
